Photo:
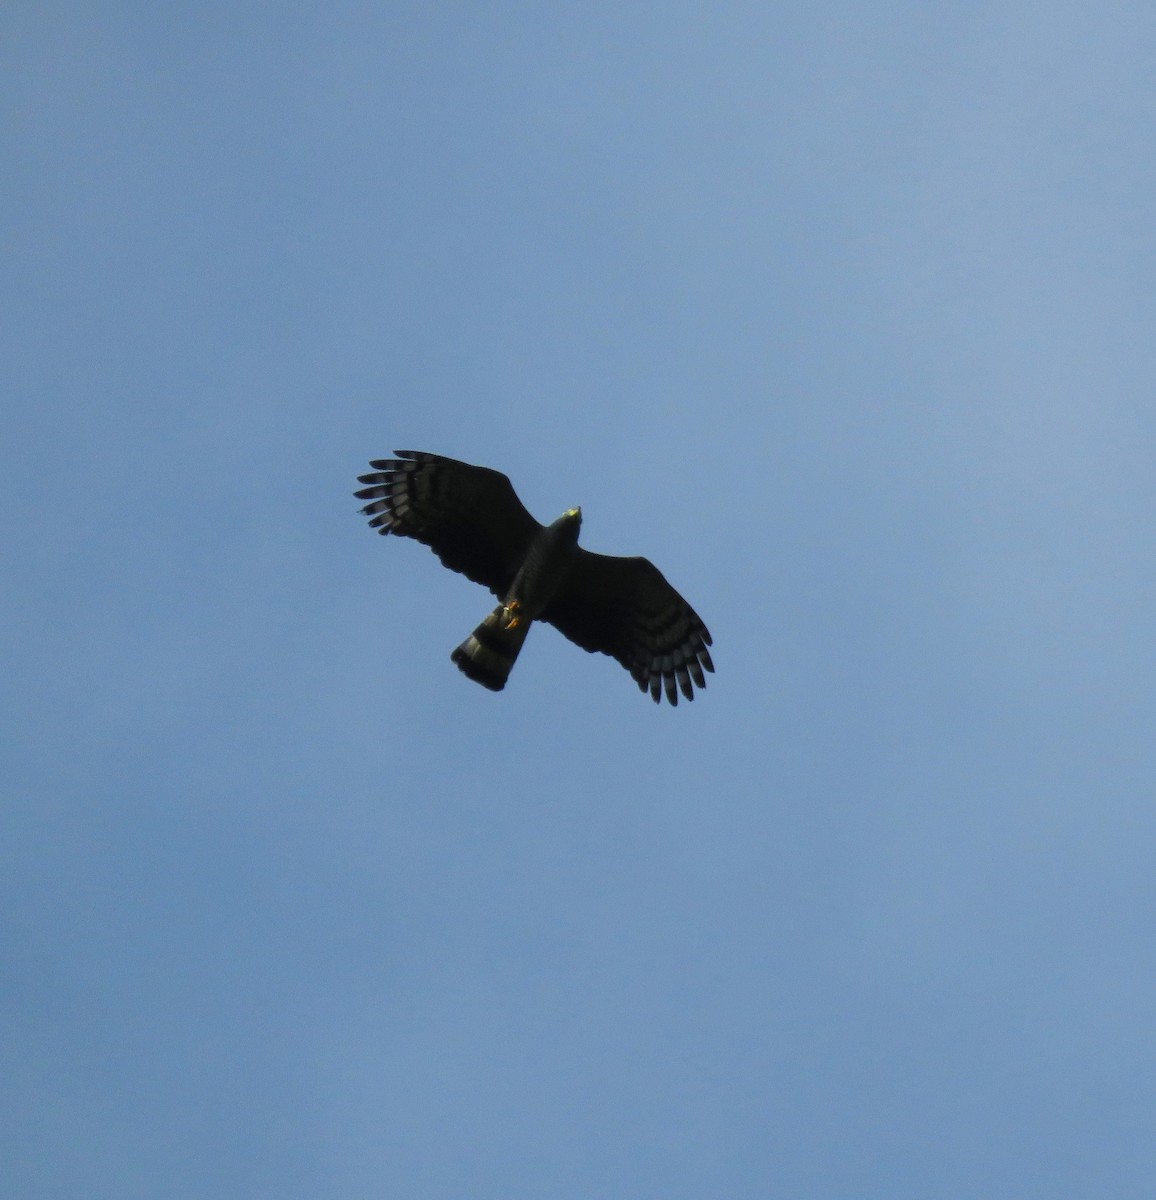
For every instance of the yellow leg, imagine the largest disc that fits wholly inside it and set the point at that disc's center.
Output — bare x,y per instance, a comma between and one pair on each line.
513,620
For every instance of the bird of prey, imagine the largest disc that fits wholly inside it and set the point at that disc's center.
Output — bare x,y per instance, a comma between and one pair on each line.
474,522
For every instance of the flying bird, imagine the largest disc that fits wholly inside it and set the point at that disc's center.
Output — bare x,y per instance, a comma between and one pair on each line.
473,521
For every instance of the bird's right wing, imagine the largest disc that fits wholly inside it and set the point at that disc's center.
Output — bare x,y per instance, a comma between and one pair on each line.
469,516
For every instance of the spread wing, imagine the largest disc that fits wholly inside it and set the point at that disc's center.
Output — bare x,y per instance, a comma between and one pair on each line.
624,607
470,517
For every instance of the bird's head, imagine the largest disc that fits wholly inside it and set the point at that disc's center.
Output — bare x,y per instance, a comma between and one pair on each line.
569,523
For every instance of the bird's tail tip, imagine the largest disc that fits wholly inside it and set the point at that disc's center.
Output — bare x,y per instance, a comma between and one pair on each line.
488,654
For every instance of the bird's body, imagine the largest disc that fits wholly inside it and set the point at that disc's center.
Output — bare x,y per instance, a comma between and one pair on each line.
487,655
473,520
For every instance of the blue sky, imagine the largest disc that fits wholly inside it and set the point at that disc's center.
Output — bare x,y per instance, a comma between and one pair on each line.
844,317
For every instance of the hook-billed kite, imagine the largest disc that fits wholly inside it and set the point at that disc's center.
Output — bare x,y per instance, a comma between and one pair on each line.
474,522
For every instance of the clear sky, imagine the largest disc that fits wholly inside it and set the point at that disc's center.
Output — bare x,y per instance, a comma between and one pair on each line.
845,315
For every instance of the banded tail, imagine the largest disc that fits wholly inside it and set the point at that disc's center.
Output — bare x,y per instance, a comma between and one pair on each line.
488,654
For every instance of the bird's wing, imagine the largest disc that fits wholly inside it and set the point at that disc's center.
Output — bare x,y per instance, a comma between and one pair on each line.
469,516
624,607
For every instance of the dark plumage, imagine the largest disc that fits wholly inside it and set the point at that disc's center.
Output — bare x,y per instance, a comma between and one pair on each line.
474,522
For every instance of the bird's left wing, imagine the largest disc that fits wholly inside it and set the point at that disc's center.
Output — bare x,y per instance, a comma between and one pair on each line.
624,607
